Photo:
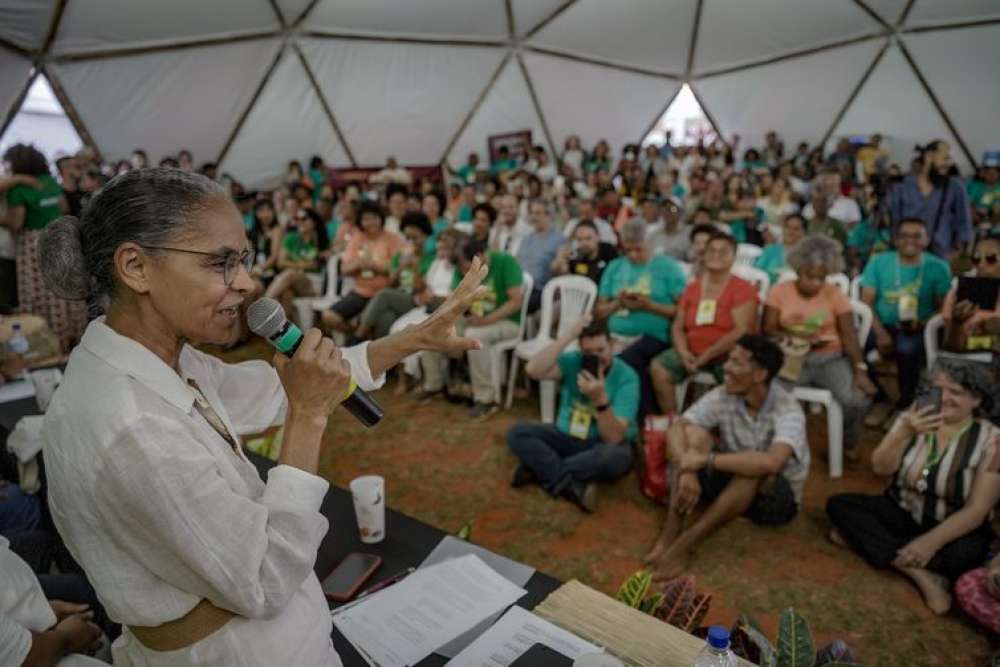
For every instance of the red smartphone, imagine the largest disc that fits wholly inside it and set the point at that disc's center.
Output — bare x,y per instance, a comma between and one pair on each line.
343,583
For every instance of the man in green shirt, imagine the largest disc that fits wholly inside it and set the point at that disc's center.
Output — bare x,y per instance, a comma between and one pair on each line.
904,288
591,440
467,172
504,162
822,224
494,318
984,192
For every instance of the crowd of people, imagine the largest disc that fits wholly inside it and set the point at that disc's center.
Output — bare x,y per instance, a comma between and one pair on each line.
661,231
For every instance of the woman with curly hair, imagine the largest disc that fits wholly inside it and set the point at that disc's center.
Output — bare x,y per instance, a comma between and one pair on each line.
30,209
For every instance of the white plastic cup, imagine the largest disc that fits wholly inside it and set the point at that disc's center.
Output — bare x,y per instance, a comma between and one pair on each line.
369,507
45,382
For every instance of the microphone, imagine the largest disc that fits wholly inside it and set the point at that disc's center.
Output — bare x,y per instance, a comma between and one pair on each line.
266,318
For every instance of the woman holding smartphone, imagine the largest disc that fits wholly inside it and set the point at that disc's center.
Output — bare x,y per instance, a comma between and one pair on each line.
200,560
932,523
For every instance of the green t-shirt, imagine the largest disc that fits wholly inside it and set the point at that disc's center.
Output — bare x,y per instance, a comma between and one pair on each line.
430,246
500,166
983,196
464,213
406,277
829,227
621,384
868,239
661,279
299,250
467,173
41,205
318,179
504,273
929,281
772,261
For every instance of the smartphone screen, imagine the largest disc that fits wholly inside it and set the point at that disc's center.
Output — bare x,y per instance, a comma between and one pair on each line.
930,397
591,364
347,578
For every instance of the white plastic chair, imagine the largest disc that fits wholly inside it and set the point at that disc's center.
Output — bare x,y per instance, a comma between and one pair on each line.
839,279
497,350
687,269
932,345
306,307
834,413
576,298
756,277
855,290
747,254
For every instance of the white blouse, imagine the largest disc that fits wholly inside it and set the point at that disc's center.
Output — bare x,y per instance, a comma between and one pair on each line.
161,512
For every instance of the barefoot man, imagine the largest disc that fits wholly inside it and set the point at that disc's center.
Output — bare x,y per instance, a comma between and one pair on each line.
757,468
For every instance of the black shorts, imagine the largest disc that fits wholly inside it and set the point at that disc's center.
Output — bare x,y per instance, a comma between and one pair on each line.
350,306
773,507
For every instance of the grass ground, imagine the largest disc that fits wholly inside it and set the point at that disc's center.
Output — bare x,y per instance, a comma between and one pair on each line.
444,470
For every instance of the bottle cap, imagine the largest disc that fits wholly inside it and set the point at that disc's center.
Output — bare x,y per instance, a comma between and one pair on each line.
718,637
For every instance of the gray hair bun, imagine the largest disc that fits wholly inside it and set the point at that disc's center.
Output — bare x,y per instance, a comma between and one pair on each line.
64,270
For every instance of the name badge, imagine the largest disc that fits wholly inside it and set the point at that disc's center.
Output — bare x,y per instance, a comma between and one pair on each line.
706,312
907,308
978,343
579,421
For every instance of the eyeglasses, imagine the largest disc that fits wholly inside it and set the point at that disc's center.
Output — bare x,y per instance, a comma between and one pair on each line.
990,259
228,263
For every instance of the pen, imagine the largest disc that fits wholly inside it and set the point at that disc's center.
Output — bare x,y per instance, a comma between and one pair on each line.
395,579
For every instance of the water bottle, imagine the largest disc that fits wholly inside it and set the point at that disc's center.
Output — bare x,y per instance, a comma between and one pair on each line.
18,344
716,652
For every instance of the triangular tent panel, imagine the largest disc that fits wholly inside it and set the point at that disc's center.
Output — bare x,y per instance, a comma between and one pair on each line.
656,33
506,108
25,22
103,24
14,71
405,100
974,115
940,11
890,10
735,33
619,105
789,97
162,102
291,10
893,103
469,19
287,123
529,13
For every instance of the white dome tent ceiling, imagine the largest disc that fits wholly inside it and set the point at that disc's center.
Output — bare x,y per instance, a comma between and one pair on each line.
254,83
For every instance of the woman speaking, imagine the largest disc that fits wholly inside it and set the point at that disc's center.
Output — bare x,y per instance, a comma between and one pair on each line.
203,562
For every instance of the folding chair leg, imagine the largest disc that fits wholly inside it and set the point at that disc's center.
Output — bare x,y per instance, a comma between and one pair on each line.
496,362
512,379
835,438
680,393
547,392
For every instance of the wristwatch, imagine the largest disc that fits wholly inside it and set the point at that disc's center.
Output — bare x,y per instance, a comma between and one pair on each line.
602,408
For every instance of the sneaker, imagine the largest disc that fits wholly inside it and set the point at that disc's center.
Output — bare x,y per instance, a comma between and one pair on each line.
523,476
583,496
483,411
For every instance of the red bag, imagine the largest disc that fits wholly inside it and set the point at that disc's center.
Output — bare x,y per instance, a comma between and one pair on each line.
653,481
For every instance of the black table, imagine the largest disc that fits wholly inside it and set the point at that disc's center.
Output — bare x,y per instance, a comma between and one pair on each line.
407,543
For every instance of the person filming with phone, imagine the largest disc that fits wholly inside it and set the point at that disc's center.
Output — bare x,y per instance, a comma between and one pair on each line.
201,561
593,434
933,522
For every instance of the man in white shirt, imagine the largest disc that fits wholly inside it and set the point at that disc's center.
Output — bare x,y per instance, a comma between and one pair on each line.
587,211
391,173
509,230
842,208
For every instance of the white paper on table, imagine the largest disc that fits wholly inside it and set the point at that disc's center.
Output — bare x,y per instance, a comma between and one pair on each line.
514,634
516,573
405,623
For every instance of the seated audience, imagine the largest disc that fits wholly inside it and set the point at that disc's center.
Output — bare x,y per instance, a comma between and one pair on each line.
905,288
672,238
639,291
586,255
366,260
266,237
493,318
407,269
822,223
593,435
813,322
433,208
968,327
756,468
838,206
510,230
700,234
483,217
714,312
932,523
773,258
776,207
978,593
539,248
392,173
587,211
298,257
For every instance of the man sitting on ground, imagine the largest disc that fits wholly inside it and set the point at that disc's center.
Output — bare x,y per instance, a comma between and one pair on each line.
757,469
592,438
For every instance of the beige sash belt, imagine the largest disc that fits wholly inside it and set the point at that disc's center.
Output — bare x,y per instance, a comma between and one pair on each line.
180,633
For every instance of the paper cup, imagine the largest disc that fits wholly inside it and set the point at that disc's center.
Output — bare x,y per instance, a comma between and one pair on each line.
369,507
45,382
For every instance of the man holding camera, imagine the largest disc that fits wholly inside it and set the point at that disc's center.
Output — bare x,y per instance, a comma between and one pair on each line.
592,437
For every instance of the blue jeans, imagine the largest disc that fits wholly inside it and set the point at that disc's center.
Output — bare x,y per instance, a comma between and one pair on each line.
19,511
559,459
910,361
